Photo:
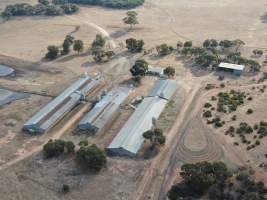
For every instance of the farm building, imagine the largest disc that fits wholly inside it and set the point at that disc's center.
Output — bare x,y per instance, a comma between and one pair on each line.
155,71
103,111
236,69
56,109
130,138
163,88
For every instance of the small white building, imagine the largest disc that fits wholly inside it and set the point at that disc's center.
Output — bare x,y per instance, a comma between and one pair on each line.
155,71
236,69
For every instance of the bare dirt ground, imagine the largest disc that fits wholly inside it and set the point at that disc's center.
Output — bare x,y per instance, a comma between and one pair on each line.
189,139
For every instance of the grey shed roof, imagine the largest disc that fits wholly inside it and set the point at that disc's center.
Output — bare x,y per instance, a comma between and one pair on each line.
104,110
59,106
163,88
130,138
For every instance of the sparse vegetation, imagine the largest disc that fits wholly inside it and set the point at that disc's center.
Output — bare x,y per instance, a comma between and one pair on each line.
214,181
229,101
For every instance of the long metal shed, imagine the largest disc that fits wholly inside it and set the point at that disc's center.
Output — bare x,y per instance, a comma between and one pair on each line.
163,88
130,138
236,69
50,114
103,111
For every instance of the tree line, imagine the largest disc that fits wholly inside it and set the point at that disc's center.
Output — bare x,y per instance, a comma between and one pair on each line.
120,4
214,181
42,8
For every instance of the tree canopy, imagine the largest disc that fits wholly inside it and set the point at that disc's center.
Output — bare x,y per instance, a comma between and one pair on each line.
91,158
131,18
42,8
155,136
52,52
214,181
169,71
139,68
120,4
78,46
134,45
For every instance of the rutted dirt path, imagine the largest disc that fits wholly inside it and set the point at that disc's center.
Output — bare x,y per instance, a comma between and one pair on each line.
160,164
86,21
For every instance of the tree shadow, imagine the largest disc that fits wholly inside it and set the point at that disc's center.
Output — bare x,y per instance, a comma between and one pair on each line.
89,64
120,33
264,18
72,56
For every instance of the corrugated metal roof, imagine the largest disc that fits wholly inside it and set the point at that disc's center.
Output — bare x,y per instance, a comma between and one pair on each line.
58,107
231,66
163,88
104,110
130,137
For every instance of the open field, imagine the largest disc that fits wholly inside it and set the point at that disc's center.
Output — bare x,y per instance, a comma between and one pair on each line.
24,174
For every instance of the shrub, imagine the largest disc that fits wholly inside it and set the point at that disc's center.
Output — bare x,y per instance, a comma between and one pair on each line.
207,114
164,49
209,86
222,85
134,46
53,148
91,157
250,98
188,44
52,52
65,188
83,143
207,105
257,142
249,111
169,71
233,118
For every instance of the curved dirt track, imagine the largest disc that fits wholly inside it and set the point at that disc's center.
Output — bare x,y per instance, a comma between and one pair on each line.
212,150
98,28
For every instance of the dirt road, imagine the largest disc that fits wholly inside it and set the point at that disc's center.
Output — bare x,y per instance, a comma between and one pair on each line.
85,20
159,165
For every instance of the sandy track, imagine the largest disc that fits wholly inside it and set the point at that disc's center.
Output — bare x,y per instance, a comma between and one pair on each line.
54,136
160,164
111,42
